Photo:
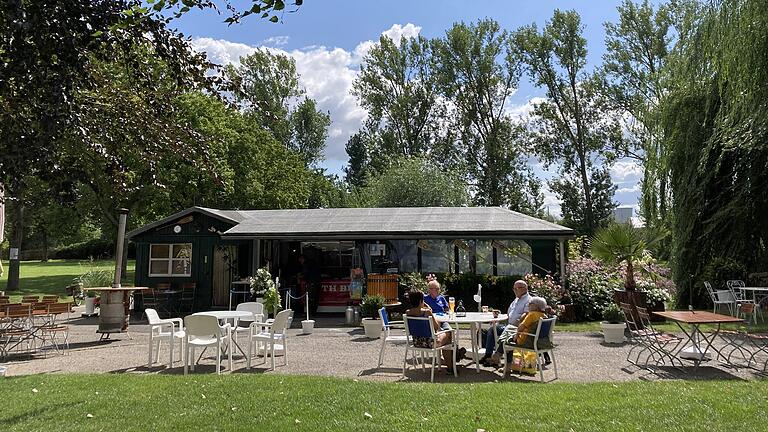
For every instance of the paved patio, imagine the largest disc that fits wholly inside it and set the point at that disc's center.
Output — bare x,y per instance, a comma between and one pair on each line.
335,350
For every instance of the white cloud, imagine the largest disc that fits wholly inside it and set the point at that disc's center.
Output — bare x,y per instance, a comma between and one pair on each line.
222,52
522,112
276,41
326,73
397,31
623,170
632,189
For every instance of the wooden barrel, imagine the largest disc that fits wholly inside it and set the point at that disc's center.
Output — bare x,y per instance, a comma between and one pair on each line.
384,285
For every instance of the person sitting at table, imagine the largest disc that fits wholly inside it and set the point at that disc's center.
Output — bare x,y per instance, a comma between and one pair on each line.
516,309
419,309
516,335
434,299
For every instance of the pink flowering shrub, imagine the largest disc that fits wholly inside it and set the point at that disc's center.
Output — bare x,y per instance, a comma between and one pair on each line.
546,287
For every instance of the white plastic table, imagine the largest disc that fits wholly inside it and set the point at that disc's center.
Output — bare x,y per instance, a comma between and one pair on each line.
474,319
228,315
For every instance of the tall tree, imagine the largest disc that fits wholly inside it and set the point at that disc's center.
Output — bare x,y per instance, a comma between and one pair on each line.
46,49
396,86
266,85
476,72
357,171
310,130
414,182
716,126
636,51
574,126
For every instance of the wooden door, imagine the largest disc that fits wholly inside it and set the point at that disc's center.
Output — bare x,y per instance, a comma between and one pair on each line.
223,259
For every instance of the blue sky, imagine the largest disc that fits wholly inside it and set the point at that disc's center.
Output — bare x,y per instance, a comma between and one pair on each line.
328,38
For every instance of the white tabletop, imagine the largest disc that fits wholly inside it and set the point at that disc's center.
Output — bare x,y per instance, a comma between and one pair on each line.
227,314
472,317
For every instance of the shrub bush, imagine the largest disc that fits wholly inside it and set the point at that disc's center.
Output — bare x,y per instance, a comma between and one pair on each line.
590,287
95,248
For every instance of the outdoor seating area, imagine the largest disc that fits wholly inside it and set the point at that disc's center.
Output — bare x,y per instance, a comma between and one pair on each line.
336,350
35,325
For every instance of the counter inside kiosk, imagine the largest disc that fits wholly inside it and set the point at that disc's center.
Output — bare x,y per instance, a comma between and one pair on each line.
336,266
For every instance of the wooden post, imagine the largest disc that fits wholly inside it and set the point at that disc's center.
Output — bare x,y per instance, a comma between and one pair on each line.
563,276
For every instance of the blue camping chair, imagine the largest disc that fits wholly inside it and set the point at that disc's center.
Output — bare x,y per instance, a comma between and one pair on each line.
542,343
388,336
421,327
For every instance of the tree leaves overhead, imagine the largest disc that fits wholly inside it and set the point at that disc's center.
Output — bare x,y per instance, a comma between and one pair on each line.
266,85
575,125
715,123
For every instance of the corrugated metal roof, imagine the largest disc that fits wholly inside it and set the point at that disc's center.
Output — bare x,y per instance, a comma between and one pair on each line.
373,222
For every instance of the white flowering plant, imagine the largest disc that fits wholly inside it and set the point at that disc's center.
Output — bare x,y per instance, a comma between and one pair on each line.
261,283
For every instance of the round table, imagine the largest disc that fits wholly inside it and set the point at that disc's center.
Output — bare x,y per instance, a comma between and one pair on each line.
475,320
228,315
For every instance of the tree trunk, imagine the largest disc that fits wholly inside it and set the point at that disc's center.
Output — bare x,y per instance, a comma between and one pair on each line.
45,245
629,283
15,249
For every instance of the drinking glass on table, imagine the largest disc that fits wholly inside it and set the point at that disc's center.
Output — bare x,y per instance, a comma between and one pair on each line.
451,304
485,309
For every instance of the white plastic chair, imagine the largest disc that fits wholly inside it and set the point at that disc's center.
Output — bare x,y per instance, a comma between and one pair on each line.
272,335
244,326
164,329
205,331
422,327
721,297
388,337
542,343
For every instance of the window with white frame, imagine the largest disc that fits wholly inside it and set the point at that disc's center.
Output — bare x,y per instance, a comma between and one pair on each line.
170,259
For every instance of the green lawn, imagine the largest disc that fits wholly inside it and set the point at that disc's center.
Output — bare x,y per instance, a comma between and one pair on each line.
297,403
52,277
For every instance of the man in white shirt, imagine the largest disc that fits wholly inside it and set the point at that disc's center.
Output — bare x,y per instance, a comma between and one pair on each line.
516,309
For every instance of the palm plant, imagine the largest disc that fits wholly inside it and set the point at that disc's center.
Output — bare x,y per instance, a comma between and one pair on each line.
622,243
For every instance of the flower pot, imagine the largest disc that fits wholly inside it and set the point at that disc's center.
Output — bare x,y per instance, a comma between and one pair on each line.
307,326
372,328
613,332
90,306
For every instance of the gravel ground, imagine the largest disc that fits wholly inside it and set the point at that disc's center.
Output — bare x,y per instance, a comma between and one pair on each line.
335,350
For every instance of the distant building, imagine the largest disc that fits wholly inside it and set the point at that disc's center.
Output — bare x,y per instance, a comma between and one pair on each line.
622,214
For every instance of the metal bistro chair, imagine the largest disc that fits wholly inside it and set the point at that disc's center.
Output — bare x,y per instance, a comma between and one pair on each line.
736,337
51,329
639,337
734,286
422,328
660,341
721,297
542,343
17,328
188,290
149,300
388,337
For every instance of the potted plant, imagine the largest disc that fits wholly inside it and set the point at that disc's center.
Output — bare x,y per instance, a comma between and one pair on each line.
370,309
93,277
260,284
612,324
